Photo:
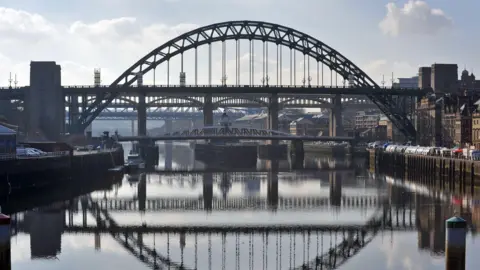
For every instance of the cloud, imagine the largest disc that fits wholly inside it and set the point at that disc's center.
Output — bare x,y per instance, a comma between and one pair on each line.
111,44
416,17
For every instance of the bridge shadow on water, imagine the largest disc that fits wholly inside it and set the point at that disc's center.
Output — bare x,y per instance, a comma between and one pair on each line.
192,217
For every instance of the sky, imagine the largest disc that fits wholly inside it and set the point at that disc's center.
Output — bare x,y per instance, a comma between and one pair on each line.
381,37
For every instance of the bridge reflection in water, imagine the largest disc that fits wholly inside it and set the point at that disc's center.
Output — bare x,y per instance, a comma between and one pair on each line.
203,241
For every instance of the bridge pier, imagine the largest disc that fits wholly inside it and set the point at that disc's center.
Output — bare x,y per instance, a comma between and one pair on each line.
97,239
207,191
273,110
168,145
141,115
142,193
44,101
335,121
272,185
335,179
208,111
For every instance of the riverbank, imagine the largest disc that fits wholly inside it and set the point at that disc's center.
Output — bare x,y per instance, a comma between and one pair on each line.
459,176
19,174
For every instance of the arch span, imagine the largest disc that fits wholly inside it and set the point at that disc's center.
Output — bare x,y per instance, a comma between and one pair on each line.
195,102
254,30
127,100
319,100
252,99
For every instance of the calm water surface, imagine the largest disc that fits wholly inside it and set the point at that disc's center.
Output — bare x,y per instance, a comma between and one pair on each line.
154,221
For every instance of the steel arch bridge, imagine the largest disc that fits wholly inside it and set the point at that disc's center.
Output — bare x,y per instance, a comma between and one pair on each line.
265,32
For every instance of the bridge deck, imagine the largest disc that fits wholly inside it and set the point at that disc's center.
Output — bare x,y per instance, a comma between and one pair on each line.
233,137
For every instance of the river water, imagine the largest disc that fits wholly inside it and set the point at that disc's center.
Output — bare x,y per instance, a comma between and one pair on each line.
217,220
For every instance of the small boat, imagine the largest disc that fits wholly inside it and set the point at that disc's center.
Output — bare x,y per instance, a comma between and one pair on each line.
134,163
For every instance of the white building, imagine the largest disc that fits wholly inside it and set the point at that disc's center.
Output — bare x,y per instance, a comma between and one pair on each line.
366,119
406,82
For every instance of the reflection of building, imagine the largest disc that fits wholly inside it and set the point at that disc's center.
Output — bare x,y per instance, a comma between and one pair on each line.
45,228
260,121
311,124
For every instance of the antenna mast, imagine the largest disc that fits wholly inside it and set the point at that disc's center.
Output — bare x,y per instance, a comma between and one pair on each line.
10,80
383,81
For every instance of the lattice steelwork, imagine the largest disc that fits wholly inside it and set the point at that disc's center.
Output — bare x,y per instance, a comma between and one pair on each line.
252,31
242,203
220,130
357,102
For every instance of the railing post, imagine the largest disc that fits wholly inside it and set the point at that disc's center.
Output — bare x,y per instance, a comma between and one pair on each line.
455,243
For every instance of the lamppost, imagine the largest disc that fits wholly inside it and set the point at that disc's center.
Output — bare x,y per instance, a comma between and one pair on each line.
309,81
265,81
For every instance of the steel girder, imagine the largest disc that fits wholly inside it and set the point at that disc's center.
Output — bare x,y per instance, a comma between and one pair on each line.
255,30
197,102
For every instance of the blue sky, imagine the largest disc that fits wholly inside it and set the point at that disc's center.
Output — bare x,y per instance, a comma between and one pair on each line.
379,36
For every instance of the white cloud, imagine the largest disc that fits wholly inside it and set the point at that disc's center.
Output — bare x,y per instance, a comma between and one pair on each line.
112,45
416,17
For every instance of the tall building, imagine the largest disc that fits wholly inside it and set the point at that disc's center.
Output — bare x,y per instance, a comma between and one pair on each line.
444,78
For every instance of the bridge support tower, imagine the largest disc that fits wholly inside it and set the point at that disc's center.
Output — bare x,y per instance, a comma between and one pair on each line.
335,120
44,101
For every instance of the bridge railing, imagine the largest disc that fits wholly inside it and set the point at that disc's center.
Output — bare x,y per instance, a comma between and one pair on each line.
229,86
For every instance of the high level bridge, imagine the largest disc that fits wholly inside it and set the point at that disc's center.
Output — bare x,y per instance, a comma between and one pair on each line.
221,132
318,76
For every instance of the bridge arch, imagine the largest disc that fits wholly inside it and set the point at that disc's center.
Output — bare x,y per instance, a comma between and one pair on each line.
319,100
254,30
256,100
127,100
195,102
